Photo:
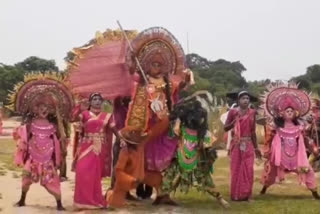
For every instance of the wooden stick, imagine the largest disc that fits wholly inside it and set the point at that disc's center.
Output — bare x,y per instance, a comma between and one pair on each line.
135,57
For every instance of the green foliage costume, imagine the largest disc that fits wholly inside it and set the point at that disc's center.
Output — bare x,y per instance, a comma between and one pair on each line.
193,164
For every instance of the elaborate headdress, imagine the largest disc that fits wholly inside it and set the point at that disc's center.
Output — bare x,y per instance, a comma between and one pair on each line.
48,88
280,96
157,44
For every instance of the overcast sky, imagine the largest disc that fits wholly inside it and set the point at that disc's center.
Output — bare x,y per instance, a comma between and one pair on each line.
274,39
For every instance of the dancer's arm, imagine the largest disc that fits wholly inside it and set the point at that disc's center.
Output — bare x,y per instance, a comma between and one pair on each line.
231,120
254,139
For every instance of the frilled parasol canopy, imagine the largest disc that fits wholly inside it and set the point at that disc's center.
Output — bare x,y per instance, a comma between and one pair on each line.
100,66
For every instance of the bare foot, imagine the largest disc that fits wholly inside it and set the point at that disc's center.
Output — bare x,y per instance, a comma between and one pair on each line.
263,191
224,203
165,200
62,179
20,204
61,208
315,195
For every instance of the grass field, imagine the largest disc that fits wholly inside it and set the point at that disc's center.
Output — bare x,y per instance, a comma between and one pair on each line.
286,198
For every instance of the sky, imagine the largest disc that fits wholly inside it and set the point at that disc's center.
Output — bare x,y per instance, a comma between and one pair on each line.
274,39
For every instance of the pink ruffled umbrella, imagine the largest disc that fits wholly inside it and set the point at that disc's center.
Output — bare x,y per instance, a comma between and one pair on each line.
100,66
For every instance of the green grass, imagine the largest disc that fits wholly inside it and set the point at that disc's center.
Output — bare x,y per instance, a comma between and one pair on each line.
287,198
7,148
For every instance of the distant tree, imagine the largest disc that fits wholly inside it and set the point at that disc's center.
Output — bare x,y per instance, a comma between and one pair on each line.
218,77
258,87
34,63
303,81
236,67
313,72
316,88
9,76
195,61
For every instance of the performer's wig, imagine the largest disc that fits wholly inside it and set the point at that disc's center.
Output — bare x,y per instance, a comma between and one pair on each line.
193,112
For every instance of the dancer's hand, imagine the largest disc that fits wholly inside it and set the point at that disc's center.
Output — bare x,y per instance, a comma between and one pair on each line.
156,104
176,128
122,143
189,76
73,165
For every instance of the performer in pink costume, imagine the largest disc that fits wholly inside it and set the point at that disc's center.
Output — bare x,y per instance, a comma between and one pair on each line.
93,158
243,147
43,101
285,103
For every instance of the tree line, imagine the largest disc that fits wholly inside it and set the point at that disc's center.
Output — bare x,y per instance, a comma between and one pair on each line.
218,77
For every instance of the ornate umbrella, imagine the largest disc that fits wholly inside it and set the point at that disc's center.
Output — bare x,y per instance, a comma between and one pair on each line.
100,66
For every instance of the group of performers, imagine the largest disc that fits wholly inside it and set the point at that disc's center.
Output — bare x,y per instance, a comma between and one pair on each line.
152,139
287,140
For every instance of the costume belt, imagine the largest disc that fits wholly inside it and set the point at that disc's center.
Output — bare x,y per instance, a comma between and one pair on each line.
95,135
242,139
245,139
242,142
97,140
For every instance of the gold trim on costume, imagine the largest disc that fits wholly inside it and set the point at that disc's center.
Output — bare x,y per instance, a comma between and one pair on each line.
84,206
137,117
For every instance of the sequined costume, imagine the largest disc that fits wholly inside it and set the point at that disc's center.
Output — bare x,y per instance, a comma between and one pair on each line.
288,147
45,102
195,155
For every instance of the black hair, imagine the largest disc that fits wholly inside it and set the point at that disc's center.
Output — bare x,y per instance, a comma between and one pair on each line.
27,117
279,121
121,101
244,94
168,93
95,95
52,118
193,116
92,95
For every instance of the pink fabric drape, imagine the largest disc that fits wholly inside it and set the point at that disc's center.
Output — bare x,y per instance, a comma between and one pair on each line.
274,167
57,150
39,164
242,154
94,161
20,136
102,69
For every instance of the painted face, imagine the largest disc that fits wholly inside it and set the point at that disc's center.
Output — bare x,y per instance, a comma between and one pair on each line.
43,111
289,114
96,102
244,101
155,70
